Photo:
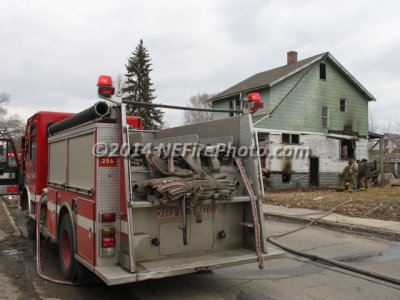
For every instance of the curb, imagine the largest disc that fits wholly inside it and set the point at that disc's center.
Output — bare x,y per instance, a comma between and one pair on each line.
393,235
16,230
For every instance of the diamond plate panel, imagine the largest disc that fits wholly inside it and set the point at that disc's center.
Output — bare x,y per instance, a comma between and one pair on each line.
107,191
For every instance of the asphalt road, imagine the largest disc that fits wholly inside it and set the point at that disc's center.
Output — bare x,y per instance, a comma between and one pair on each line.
290,277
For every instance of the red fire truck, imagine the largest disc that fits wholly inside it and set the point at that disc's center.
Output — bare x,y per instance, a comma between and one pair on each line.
130,204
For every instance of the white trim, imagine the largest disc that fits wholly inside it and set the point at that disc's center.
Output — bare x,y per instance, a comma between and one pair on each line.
296,70
51,206
84,222
124,227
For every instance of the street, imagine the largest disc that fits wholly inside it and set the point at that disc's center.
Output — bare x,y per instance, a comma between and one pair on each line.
289,277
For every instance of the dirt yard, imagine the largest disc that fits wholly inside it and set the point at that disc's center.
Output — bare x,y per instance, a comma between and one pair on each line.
375,203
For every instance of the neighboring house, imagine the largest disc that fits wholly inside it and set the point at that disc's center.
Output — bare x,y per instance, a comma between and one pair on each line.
314,104
390,152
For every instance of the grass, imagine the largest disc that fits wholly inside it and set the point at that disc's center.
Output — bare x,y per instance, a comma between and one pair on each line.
375,203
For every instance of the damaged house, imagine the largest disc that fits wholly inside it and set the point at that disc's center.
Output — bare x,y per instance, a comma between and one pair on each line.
315,118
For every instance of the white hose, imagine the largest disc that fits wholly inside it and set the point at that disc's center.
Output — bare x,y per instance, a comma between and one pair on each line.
38,266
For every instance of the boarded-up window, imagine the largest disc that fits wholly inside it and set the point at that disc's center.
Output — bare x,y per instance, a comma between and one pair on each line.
325,116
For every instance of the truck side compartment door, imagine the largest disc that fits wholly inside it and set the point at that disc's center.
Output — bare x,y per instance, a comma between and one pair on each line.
9,168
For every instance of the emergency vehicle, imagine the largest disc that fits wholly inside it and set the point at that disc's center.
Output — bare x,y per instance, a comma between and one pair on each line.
130,204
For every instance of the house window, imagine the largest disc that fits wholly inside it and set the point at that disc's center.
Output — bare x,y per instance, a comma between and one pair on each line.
347,149
325,116
290,138
234,104
322,71
342,105
231,107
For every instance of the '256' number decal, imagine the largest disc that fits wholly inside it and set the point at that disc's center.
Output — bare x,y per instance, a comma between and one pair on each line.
107,162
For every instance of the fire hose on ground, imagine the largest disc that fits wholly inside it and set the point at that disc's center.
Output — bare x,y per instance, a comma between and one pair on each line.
332,262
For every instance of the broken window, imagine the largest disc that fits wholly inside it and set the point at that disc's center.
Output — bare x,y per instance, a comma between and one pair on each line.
288,138
295,139
325,116
347,149
322,71
343,105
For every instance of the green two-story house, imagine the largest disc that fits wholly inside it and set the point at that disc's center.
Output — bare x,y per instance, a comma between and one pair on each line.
315,118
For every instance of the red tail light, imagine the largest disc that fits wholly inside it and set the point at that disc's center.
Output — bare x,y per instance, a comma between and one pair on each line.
107,242
12,189
107,217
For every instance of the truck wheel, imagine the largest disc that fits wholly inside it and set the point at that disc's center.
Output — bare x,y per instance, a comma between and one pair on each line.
66,249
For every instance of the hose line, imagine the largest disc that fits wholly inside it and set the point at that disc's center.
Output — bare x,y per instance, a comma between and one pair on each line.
38,264
332,262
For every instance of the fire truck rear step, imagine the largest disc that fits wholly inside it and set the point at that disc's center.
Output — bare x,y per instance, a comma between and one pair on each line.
182,265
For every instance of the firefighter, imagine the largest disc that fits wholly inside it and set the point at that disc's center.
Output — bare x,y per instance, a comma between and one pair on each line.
348,175
364,174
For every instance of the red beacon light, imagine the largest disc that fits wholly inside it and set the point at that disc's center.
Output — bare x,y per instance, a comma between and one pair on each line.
105,87
251,97
254,102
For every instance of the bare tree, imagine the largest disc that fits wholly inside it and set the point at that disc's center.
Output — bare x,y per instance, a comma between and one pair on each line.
372,124
200,100
10,126
120,84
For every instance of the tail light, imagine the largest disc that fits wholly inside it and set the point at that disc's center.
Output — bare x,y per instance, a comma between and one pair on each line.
107,217
107,240
105,87
12,189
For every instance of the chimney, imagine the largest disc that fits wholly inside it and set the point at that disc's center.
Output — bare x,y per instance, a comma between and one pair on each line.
291,57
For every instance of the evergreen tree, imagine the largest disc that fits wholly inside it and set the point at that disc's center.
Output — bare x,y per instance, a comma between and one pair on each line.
138,87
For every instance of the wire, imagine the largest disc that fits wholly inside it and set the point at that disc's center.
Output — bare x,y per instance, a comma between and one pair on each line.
328,261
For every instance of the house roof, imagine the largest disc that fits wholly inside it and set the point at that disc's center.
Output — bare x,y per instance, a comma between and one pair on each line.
270,77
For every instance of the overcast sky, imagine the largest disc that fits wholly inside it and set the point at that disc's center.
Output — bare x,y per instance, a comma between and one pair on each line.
51,52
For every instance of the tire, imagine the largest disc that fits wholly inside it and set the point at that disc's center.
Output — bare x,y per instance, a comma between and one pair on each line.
66,249
30,228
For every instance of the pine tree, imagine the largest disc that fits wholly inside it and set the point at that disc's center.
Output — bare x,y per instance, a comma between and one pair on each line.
138,87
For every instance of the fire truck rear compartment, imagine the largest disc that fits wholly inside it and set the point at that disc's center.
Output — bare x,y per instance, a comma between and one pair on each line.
168,242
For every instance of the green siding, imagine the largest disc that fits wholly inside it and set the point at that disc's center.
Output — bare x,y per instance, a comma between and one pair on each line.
302,108
220,104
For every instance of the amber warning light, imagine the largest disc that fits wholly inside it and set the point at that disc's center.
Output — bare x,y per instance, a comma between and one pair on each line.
105,87
254,102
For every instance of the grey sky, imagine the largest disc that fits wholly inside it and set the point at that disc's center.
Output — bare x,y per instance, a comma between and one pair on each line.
51,52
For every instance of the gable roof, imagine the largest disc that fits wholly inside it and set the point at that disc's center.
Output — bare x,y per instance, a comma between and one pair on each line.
270,77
